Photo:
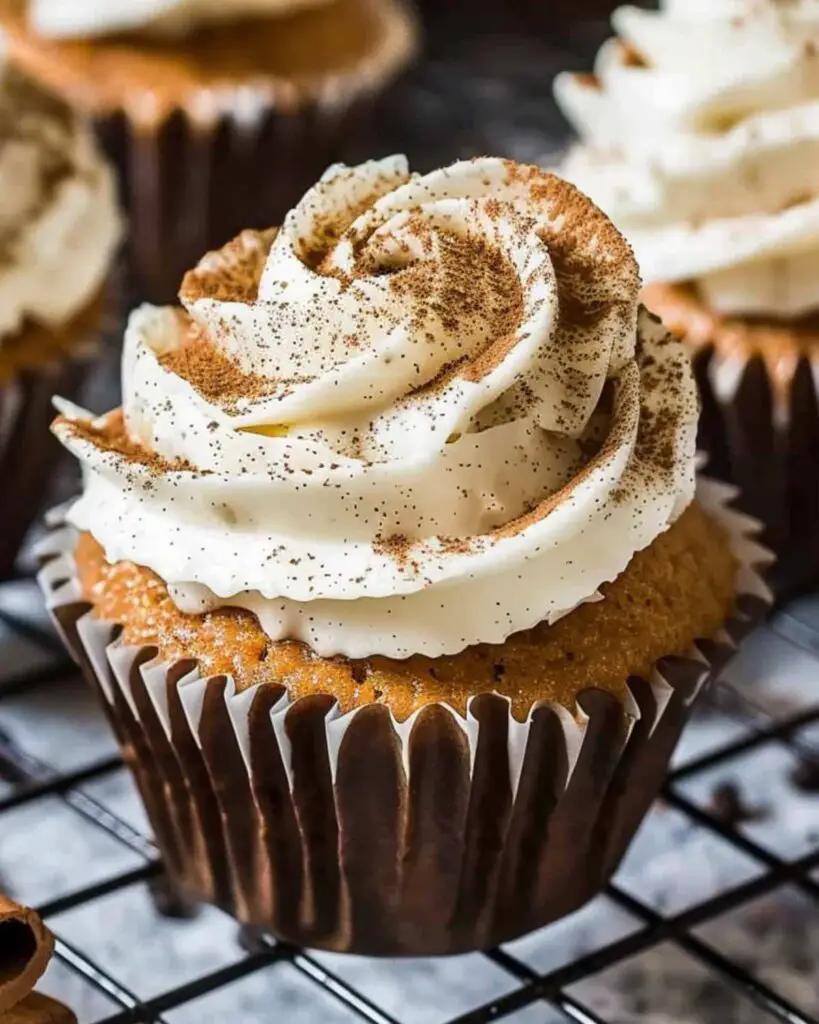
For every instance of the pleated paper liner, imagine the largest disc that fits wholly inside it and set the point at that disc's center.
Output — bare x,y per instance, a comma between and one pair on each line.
195,178
29,454
211,136
358,833
189,186
763,436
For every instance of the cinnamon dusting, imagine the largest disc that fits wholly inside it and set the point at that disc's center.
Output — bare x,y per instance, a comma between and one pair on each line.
232,273
216,377
630,57
112,437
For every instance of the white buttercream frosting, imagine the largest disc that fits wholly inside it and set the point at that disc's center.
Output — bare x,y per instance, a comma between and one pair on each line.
59,223
428,413
77,18
700,138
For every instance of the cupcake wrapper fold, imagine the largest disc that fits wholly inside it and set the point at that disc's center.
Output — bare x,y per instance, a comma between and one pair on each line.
193,182
28,452
764,438
355,832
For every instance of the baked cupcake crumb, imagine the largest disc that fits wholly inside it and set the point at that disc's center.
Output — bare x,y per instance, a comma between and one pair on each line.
680,588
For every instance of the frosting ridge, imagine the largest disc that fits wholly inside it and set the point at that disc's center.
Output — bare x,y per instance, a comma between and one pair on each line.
699,136
428,412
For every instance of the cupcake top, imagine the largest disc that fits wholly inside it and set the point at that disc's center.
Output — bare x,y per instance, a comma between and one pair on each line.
326,53
59,223
700,138
106,17
428,412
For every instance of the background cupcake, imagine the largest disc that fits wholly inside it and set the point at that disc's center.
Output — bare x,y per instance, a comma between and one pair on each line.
218,115
700,136
59,229
398,521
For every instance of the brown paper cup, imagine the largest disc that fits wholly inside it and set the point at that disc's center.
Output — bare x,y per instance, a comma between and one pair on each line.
26,946
763,436
215,165
28,452
39,1009
356,832
190,185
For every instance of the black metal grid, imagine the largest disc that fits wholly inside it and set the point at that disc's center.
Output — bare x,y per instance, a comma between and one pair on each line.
437,107
32,781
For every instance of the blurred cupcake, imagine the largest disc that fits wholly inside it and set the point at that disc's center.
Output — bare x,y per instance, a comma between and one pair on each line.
218,115
390,572
59,229
700,137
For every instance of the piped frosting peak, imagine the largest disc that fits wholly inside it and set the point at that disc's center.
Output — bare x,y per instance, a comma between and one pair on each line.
428,412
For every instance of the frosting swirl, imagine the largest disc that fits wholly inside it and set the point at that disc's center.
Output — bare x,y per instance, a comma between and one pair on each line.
58,19
427,413
59,224
700,138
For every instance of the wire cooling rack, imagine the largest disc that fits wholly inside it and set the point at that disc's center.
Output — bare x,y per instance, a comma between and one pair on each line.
736,728
713,916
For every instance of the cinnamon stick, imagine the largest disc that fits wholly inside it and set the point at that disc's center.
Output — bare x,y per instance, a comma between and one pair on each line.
38,1009
26,946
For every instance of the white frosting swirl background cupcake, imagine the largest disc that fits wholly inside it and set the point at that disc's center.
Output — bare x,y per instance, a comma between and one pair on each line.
699,136
217,114
59,232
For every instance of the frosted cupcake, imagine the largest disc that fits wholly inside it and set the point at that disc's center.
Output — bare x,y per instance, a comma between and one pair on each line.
218,115
59,230
700,136
390,572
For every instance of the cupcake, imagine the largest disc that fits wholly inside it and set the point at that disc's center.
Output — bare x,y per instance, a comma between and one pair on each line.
218,115
59,230
699,136
390,572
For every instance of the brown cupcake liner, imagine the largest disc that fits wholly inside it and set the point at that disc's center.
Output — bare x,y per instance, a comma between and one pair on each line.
189,187
29,454
195,177
355,832
763,436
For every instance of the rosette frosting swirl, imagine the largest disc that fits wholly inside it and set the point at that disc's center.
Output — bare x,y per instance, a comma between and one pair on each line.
700,138
59,222
428,412
61,19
